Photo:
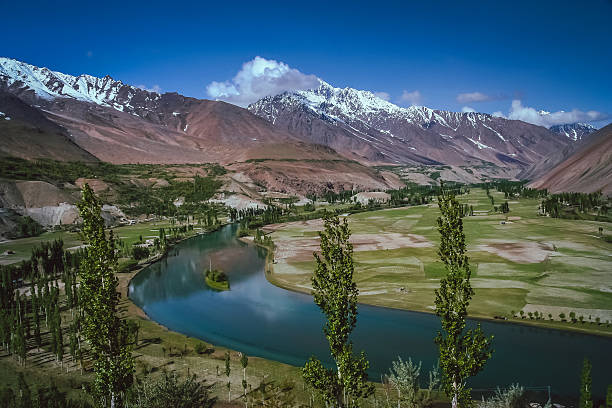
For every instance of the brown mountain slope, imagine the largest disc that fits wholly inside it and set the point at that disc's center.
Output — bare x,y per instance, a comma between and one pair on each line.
587,170
25,132
180,130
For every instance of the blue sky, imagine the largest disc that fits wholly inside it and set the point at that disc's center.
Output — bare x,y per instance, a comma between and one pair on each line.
552,55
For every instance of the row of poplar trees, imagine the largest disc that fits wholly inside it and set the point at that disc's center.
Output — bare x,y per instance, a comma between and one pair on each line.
93,304
463,352
31,317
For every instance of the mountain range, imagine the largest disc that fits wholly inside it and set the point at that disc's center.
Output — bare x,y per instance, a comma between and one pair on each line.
297,141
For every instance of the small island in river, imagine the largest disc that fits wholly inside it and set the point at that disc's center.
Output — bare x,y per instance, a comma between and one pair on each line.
216,279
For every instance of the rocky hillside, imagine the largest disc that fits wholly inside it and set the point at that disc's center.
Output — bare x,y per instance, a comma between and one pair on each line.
587,170
25,132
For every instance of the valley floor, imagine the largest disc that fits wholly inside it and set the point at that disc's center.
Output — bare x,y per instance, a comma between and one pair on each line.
520,262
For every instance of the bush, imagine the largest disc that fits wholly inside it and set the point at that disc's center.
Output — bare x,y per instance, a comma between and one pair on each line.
127,266
201,348
139,252
170,391
405,377
512,397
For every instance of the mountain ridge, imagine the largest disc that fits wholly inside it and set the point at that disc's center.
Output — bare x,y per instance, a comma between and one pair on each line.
383,133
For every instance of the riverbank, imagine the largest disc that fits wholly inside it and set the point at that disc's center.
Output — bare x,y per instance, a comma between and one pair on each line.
520,262
163,349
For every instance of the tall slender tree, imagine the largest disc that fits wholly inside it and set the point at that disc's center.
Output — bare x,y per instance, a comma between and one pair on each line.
586,399
102,328
244,362
463,352
228,371
335,293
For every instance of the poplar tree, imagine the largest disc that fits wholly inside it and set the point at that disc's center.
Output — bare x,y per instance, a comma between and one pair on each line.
102,328
463,353
586,399
336,293
228,370
244,362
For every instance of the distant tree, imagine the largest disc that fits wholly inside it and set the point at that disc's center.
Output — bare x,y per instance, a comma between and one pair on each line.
228,371
562,316
586,400
463,353
244,362
335,293
105,332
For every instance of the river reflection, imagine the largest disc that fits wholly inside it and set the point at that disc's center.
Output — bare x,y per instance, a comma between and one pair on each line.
261,319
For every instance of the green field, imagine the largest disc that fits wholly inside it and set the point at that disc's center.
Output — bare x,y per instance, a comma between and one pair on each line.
529,263
130,234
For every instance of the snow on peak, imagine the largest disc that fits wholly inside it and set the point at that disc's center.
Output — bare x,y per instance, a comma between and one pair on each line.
574,131
48,84
350,105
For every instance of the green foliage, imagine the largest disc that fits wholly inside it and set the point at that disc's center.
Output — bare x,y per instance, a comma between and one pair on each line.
335,292
274,395
201,348
586,399
609,397
140,252
26,227
216,275
405,376
463,353
171,391
106,334
217,279
228,371
134,198
591,206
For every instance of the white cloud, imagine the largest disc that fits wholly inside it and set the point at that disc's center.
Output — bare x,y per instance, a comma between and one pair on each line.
383,95
499,114
154,88
548,119
413,98
467,109
259,78
472,97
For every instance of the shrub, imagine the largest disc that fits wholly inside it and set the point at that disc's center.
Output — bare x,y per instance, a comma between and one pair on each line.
512,397
405,376
201,348
171,391
139,252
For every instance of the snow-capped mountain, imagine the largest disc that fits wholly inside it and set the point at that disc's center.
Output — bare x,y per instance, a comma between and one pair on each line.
574,131
33,83
121,123
365,127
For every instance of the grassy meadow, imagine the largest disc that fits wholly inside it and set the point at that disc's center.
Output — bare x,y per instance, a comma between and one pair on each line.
527,263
